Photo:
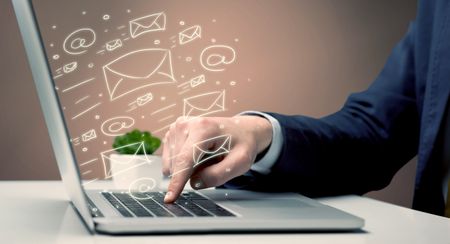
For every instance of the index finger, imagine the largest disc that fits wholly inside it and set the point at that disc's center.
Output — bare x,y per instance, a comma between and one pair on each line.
181,171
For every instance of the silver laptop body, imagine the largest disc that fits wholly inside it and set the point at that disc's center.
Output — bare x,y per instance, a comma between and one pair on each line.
251,211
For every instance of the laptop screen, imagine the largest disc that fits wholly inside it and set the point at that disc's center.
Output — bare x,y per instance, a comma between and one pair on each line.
118,66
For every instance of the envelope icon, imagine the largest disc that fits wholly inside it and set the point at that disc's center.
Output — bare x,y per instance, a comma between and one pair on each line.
142,100
114,44
70,67
149,23
202,152
137,70
115,164
89,135
204,104
197,80
190,34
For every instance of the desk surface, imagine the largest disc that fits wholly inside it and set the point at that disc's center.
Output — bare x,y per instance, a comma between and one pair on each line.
39,212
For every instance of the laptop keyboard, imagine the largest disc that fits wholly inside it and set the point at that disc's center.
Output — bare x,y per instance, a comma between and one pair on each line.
151,204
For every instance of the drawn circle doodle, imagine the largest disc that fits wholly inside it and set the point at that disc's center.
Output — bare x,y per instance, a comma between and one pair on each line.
55,57
79,41
117,125
139,187
215,57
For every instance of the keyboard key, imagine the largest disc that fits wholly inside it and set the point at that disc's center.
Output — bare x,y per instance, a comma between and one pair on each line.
132,205
154,207
191,206
116,204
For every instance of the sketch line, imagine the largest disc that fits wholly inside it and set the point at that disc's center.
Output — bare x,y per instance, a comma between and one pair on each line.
184,83
57,76
131,109
184,91
79,84
87,172
166,118
88,162
162,109
88,182
161,129
82,99
85,111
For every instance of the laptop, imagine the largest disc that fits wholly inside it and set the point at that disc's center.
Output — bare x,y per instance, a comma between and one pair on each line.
75,48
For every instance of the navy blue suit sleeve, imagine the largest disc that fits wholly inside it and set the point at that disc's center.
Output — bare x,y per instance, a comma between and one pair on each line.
355,150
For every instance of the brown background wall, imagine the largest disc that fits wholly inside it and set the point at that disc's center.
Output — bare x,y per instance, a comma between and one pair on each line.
333,48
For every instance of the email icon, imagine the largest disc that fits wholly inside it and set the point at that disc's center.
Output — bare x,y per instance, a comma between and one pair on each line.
204,104
142,100
202,152
197,80
149,23
190,34
137,70
113,45
70,67
89,135
115,164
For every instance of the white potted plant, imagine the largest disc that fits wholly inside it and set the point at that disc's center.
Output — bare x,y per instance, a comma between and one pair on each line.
133,161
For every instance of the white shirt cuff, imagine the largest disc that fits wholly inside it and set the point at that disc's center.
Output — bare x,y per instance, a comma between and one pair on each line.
264,165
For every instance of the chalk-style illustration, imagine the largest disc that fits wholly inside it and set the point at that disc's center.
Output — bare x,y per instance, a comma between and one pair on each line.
106,17
142,100
117,126
78,84
113,45
208,149
55,57
215,57
89,135
164,108
149,23
123,165
166,118
139,187
150,67
75,141
79,41
202,152
190,34
87,110
88,162
204,104
82,99
70,67
197,80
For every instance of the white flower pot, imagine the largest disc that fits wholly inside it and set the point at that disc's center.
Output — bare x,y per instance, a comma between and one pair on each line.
136,172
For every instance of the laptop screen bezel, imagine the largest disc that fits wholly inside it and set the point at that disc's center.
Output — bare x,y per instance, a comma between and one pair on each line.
54,119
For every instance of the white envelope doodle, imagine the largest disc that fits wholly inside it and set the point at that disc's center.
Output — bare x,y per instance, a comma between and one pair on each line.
197,80
149,23
142,100
89,135
114,164
137,70
204,104
70,67
202,153
113,45
190,34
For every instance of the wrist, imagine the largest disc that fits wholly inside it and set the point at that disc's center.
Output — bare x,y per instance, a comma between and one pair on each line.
262,131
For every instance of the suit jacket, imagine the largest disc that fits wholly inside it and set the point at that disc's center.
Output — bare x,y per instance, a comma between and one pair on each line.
360,148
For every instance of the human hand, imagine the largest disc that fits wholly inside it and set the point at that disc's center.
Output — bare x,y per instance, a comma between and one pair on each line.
249,136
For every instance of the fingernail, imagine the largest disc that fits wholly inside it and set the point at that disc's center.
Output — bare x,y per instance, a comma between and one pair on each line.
168,194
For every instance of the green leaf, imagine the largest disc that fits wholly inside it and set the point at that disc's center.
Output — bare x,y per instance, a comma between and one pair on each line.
124,144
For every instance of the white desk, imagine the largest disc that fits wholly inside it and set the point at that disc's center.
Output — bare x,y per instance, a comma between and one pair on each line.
39,212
